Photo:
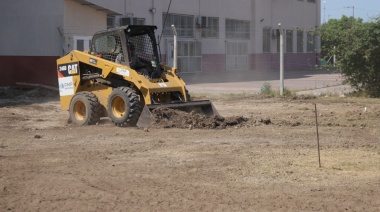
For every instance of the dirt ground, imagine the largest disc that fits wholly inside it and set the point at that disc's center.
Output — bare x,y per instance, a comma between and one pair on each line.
260,155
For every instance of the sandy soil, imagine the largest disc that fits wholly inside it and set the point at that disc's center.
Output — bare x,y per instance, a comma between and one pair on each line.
266,161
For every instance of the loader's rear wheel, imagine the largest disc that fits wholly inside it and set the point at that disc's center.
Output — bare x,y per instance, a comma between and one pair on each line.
124,107
84,109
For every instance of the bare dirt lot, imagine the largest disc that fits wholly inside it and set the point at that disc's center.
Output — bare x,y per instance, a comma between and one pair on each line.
267,160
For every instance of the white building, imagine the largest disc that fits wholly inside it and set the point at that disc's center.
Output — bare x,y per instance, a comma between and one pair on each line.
214,35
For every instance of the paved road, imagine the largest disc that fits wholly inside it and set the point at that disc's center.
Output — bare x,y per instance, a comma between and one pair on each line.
302,82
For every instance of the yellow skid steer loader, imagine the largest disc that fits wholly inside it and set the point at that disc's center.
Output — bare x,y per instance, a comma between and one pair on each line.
121,77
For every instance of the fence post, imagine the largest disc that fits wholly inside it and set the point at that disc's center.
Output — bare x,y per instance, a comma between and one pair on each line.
281,60
175,47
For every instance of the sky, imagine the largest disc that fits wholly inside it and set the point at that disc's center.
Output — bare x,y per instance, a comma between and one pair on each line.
364,9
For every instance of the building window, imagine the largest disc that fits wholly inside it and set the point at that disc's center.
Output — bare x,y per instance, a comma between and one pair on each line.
131,21
184,25
310,42
311,1
289,41
111,22
266,39
237,29
82,43
300,41
210,26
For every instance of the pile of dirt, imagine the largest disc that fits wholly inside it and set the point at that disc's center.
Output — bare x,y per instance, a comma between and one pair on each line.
8,92
170,118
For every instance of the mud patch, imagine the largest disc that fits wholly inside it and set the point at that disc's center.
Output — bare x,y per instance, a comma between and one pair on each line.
22,93
14,96
170,118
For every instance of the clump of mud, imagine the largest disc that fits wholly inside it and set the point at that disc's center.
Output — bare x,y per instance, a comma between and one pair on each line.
170,118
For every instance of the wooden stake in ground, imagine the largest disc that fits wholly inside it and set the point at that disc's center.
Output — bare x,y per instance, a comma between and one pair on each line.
316,124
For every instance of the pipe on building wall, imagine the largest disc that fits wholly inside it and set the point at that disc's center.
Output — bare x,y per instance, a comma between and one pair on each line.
198,33
125,7
153,12
199,8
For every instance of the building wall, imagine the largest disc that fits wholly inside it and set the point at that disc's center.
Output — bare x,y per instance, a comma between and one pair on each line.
36,33
30,28
38,20
47,29
140,9
293,15
29,40
81,20
211,8
117,6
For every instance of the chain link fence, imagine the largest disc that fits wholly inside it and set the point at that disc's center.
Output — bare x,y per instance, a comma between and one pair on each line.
195,56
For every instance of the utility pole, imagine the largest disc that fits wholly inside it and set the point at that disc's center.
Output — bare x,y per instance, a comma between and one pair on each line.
353,11
353,15
324,12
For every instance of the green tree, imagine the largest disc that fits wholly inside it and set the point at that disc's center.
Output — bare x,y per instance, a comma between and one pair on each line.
335,32
357,50
360,60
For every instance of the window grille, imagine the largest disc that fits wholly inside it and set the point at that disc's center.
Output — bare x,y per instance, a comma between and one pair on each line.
289,41
237,56
210,27
189,56
278,39
310,42
266,39
300,41
184,25
237,29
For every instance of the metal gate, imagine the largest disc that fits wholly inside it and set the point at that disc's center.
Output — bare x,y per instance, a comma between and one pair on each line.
189,56
236,56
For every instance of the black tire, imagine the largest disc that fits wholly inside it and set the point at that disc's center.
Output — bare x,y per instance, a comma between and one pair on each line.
84,109
188,97
124,107
177,96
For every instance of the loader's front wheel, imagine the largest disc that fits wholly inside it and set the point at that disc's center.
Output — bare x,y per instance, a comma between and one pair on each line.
188,97
84,109
124,107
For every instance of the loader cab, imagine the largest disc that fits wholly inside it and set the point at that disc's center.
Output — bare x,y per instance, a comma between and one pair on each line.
114,45
109,44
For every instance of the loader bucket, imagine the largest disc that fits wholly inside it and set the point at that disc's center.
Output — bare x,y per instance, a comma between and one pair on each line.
204,107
